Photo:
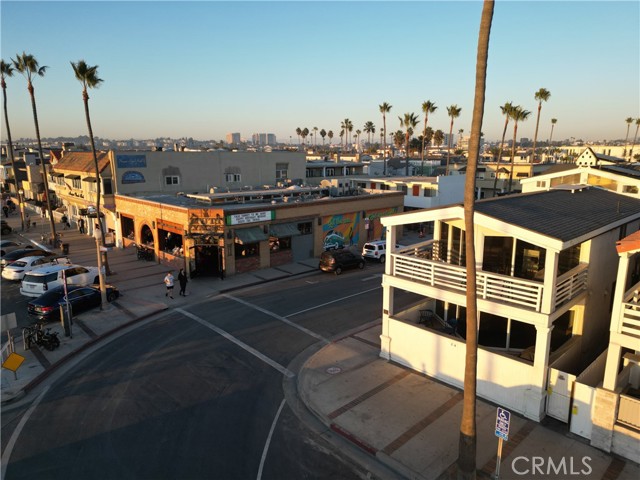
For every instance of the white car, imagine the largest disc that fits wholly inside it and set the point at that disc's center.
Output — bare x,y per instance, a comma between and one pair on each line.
38,281
17,269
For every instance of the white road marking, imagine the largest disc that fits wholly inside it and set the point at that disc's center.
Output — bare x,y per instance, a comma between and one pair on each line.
332,301
241,344
6,455
266,445
278,317
373,277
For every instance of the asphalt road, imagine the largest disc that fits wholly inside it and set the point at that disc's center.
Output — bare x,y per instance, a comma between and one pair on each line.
196,393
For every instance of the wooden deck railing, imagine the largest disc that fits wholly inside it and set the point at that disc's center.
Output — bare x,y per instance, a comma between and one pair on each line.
629,322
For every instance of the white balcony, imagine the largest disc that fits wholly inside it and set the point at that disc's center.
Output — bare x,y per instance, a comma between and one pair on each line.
415,264
629,322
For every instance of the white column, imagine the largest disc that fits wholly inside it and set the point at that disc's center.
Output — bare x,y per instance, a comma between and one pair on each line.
611,369
549,288
535,397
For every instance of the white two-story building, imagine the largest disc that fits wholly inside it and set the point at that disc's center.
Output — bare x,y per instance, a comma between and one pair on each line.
546,269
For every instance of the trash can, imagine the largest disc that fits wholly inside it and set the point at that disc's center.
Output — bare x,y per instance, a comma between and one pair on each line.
65,249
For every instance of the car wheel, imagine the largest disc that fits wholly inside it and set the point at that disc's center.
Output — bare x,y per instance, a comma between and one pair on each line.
361,265
381,258
111,297
338,270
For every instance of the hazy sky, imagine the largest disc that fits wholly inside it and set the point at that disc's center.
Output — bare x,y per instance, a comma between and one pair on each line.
203,69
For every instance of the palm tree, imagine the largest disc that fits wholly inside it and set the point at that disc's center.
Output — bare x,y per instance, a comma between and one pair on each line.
409,122
541,95
467,444
315,137
323,133
88,77
398,139
460,132
358,132
427,108
507,108
346,127
28,66
369,128
6,70
298,132
553,124
518,115
330,135
634,138
438,138
629,121
384,109
304,135
454,112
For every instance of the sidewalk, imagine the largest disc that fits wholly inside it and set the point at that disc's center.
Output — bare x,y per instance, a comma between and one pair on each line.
401,419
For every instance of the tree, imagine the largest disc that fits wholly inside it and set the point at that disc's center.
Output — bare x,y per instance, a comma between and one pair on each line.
315,136
409,122
460,132
507,108
28,66
347,127
384,109
427,108
467,444
553,124
357,141
369,128
518,115
541,95
398,139
304,134
323,133
454,112
634,138
6,70
88,77
299,133
629,121
438,138
330,135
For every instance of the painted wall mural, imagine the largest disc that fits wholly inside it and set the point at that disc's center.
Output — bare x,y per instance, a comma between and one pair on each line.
373,226
340,230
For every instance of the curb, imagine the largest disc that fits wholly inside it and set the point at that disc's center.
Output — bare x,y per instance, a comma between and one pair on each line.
44,375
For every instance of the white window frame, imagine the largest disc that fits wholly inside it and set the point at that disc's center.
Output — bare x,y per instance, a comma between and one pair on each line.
171,180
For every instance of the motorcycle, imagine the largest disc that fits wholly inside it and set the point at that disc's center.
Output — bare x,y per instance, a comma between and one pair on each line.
38,335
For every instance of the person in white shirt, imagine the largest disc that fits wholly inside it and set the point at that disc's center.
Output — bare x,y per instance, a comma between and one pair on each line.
168,281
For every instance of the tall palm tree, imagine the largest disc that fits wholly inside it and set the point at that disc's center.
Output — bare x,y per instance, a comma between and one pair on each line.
369,128
629,121
384,109
454,112
507,108
409,122
346,126
88,77
517,115
467,443
304,135
438,138
357,141
427,108
553,124
634,138
330,135
6,70
299,133
460,132
323,133
315,137
28,66
541,95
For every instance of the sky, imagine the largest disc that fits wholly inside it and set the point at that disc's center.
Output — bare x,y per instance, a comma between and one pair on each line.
203,69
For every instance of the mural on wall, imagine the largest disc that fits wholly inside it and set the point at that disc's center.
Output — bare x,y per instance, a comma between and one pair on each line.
373,226
340,230
132,177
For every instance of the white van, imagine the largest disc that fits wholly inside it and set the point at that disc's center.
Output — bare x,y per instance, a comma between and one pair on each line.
36,282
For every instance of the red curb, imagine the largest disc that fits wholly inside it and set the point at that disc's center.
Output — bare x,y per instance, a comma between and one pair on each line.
363,445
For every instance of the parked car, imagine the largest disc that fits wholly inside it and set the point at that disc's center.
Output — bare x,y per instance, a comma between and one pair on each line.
8,246
338,260
38,281
47,306
24,252
18,269
376,250
5,229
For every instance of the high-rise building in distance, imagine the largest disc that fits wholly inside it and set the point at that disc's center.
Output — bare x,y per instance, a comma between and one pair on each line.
233,138
263,139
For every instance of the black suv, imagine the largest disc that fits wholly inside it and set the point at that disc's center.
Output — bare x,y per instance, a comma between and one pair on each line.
337,260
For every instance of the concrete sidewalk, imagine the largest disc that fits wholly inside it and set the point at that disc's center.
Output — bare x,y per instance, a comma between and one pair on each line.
398,417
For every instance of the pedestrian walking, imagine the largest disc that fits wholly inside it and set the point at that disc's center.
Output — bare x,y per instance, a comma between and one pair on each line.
81,225
65,222
168,281
182,279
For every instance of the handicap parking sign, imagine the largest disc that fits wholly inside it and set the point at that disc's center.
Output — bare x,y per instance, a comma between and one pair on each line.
503,417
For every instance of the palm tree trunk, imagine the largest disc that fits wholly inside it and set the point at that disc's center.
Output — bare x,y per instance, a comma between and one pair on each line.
43,168
446,172
424,134
467,444
11,154
406,161
384,145
504,133
513,154
634,143
535,135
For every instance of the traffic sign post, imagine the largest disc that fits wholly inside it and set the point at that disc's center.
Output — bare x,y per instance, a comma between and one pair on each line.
503,419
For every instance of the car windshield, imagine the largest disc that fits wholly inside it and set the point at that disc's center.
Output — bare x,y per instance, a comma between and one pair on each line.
18,264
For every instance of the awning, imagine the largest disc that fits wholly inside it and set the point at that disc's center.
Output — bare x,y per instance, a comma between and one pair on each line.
89,179
284,230
72,177
57,174
245,236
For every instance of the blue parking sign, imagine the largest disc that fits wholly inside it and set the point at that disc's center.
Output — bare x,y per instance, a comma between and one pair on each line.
503,418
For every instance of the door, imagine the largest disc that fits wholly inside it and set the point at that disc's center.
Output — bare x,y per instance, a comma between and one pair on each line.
559,393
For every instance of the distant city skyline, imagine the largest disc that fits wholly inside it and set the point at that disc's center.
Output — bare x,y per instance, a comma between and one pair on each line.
204,69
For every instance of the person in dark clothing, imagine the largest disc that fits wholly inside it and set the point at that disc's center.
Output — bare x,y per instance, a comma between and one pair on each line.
81,225
182,279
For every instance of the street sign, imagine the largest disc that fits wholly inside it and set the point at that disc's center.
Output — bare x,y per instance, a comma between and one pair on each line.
13,362
503,417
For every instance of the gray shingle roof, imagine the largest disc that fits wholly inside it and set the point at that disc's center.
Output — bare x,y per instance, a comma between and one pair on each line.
562,214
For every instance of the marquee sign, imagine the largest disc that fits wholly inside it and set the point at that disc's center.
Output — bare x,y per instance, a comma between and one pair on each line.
250,217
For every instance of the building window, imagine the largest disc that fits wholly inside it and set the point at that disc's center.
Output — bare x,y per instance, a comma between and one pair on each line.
630,189
541,184
305,228
282,171
331,172
76,183
172,180
108,187
429,192
232,177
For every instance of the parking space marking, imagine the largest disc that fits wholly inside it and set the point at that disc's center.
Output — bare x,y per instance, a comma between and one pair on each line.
241,344
278,317
332,301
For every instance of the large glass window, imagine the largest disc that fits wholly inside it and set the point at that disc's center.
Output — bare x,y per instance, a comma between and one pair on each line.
568,259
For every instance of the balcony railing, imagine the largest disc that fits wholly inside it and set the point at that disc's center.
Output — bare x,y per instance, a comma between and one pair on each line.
416,264
629,324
